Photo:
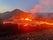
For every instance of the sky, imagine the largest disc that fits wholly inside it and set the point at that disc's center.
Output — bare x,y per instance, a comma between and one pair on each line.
32,6
25,5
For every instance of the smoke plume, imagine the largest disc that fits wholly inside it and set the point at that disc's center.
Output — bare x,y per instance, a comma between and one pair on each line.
43,6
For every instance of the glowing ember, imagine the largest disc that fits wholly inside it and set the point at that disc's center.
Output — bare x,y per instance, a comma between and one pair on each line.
28,19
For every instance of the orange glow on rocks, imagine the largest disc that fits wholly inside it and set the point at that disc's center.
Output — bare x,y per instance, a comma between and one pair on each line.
25,15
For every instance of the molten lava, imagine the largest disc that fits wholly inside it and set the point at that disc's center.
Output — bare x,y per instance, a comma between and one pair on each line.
26,19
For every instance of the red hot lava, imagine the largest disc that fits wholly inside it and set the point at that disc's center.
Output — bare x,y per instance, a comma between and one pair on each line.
27,21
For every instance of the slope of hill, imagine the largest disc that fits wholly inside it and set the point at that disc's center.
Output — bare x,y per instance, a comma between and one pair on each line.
44,15
10,14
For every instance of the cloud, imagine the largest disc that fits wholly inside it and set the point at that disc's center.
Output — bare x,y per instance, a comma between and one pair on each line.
43,6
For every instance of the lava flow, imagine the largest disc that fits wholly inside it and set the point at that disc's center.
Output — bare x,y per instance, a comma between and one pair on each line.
29,20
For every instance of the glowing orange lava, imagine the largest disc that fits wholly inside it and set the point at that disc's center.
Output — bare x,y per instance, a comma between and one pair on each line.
28,19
